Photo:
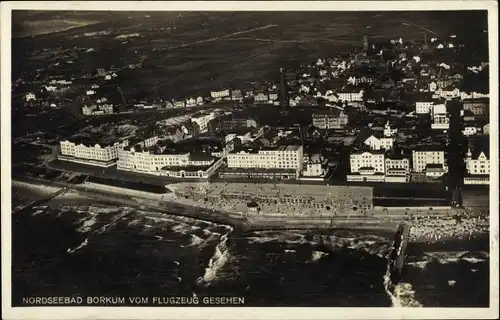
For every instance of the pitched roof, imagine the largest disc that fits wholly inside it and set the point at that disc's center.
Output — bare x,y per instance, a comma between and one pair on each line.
480,145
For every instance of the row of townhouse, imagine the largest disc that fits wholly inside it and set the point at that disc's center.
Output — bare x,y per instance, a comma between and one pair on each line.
453,92
438,110
380,166
97,109
226,94
283,161
187,103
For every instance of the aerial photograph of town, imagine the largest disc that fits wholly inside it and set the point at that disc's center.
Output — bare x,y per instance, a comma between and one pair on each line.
250,159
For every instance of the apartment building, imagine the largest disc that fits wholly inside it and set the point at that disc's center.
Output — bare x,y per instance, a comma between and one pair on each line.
478,107
367,162
423,107
231,122
219,95
394,164
330,119
397,168
440,118
203,121
429,160
367,167
351,96
261,97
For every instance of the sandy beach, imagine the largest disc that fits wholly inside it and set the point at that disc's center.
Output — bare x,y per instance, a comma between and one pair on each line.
462,226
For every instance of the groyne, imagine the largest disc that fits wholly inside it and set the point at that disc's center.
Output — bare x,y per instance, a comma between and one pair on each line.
398,254
41,201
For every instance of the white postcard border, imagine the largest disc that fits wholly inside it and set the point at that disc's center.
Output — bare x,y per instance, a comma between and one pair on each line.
242,312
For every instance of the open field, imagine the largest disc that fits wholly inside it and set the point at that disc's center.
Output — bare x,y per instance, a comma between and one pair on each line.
191,53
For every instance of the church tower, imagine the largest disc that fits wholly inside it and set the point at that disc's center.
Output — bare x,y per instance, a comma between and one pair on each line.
365,43
284,101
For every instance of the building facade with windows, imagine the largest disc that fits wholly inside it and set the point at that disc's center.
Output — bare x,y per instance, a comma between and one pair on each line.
231,122
351,96
141,158
203,121
330,119
427,159
381,143
477,163
30,96
478,107
367,167
440,118
397,168
219,95
367,162
282,157
423,107
93,153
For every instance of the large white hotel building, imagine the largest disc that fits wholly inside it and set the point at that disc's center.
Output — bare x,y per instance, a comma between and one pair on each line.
283,157
83,150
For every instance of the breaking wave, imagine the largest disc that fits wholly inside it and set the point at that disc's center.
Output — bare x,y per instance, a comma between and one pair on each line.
196,241
87,223
447,258
37,212
81,245
125,36
96,33
316,255
405,294
401,294
219,259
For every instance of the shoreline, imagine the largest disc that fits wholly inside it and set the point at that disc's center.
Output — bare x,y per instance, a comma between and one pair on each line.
245,223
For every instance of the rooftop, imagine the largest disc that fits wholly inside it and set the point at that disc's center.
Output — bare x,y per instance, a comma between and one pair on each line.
201,157
477,100
266,170
285,148
326,112
429,148
91,141
185,168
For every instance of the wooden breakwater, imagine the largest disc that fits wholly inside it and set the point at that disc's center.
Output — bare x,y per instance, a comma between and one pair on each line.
41,201
398,254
